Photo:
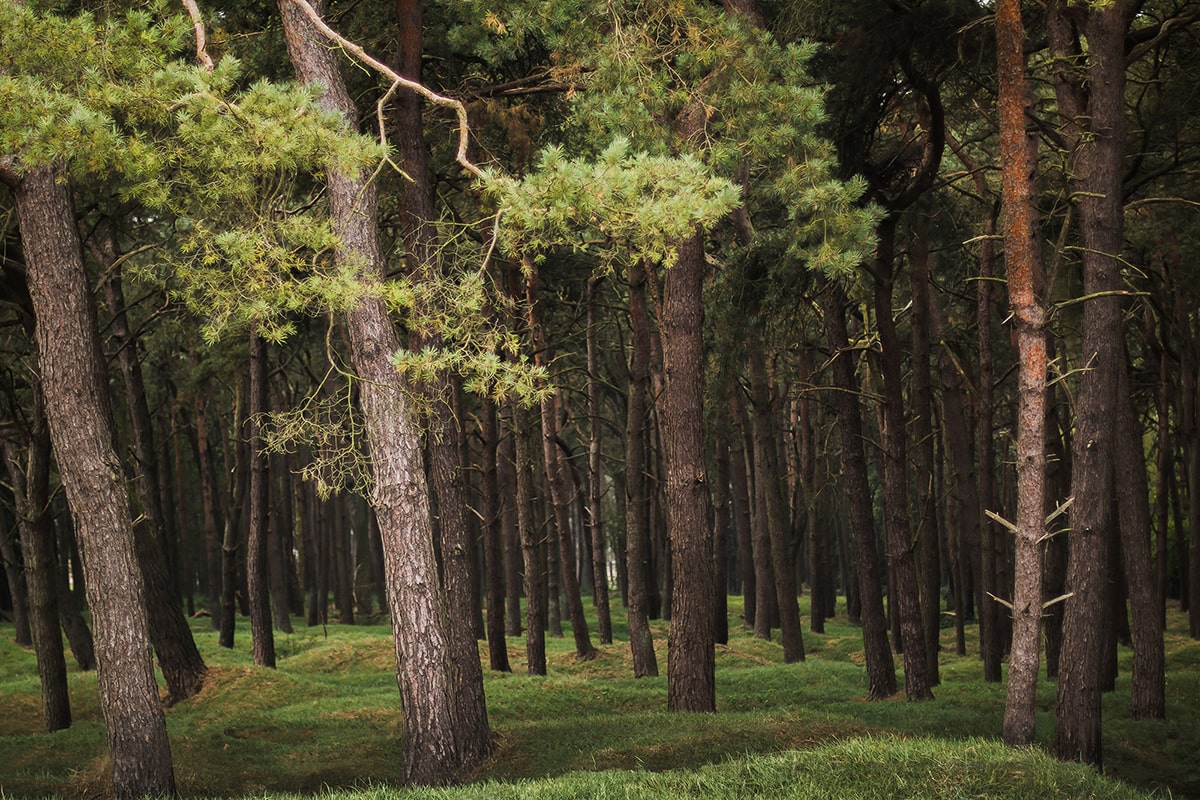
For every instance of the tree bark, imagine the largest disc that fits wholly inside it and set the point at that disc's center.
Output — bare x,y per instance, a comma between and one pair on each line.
81,428
399,495
493,546
637,508
1022,248
1097,187
881,669
691,679
257,572
595,480
535,598
903,589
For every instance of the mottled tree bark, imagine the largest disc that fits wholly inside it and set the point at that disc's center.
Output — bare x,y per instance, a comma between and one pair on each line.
82,431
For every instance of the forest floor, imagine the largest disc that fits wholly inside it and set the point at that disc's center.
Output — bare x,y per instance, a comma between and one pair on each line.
328,720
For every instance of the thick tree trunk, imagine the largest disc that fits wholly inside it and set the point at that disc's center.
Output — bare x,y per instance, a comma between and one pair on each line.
30,476
81,428
257,572
881,669
691,679
1024,269
903,588
637,508
1097,185
400,496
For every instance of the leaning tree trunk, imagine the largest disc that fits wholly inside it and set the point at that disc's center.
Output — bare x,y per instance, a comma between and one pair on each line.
881,669
691,660
1022,248
399,495
81,428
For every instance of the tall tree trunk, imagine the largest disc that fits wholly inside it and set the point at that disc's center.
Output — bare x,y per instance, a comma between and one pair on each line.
1022,248
881,669
231,539
637,508
70,604
535,598
929,533
81,428
10,554
202,451
1147,698
257,572
741,501
903,589
766,481
493,546
400,496
1097,185
595,480
691,678
30,477
510,534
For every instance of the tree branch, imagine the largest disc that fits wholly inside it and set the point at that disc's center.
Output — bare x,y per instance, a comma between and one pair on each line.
193,10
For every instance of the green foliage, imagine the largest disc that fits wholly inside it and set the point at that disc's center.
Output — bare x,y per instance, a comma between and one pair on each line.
621,205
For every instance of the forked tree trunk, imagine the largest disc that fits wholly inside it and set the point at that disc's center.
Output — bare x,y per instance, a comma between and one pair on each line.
881,669
81,428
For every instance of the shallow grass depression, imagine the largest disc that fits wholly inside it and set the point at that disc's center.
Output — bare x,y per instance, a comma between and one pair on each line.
327,723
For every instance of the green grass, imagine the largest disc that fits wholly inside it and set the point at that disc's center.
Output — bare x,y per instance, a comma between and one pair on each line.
328,721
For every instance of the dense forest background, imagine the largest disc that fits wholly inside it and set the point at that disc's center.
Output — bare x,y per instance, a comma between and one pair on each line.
477,312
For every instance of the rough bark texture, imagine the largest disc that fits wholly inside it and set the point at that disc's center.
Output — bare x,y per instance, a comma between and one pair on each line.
399,495
1097,186
691,684
903,588
881,669
1024,269
493,546
81,428
535,597
637,509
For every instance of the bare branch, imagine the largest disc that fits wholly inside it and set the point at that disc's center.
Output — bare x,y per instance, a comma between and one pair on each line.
399,81
193,10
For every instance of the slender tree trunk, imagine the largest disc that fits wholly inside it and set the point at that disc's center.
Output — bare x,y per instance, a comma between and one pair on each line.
535,598
510,533
741,499
70,604
766,472
1147,699
637,508
721,525
208,494
595,480
691,679
10,554
30,476
881,669
903,589
1022,248
81,428
493,546
257,575
231,539
928,532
